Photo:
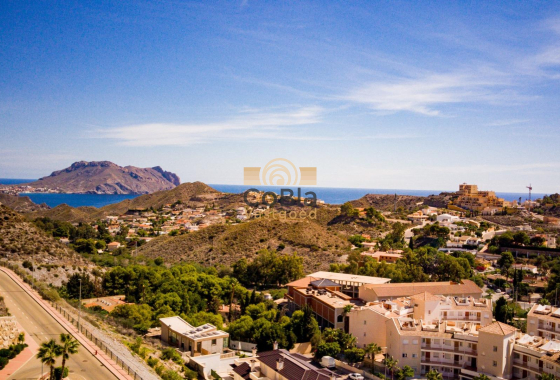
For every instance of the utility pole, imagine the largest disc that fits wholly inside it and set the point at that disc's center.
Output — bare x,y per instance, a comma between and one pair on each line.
80,306
530,188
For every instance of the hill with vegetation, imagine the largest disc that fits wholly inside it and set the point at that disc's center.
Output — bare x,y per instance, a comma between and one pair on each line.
21,204
191,194
387,202
226,244
20,239
104,177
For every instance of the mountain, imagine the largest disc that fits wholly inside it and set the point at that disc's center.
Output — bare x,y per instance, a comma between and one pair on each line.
104,177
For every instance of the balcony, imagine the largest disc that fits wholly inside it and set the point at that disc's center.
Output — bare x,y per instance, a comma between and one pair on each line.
452,349
442,362
534,367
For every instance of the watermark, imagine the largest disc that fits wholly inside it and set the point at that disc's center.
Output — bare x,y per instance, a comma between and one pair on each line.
279,172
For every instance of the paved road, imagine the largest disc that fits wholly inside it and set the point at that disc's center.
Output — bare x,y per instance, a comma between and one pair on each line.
42,327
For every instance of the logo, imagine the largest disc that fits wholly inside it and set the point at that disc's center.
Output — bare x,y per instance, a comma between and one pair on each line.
279,172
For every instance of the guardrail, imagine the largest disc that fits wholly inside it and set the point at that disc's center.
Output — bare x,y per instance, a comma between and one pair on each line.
98,342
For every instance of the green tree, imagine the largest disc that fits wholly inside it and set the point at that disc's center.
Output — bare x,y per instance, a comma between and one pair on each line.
327,349
372,350
434,375
354,355
69,346
348,210
304,325
546,376
500,310
73,286
48,352
405,372
391,364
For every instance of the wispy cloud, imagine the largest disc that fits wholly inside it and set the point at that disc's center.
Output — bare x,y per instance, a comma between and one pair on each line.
505,123
251,124
424,94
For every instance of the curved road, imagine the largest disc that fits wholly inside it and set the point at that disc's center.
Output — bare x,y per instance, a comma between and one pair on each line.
41,327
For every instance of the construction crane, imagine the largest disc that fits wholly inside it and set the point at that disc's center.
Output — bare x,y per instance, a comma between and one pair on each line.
530,189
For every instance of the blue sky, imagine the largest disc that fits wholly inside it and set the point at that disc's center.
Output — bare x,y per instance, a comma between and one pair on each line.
411,95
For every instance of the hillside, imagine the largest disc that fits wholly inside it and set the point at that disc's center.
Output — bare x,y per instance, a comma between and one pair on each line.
386,202
21,204
104,177
225,244
191,194
20,239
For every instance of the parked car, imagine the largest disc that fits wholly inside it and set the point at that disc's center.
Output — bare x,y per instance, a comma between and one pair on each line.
328,362
355,376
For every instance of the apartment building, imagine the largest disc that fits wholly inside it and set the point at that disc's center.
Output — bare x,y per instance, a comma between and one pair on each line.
470,198
350,283
429,308
324,297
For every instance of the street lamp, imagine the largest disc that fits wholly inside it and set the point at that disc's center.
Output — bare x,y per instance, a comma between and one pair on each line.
80,305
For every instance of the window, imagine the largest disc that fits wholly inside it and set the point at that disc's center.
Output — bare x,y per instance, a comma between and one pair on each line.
515,355
213,342
405,341
364,334
495,364
404,355
495,349
365,322
339,318
415,341
532,322
414,355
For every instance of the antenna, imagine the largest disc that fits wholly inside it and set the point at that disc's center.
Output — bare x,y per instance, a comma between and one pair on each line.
530,189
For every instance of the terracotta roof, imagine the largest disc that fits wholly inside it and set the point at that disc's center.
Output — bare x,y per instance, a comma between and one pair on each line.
408,289
498,328
425,296
302,282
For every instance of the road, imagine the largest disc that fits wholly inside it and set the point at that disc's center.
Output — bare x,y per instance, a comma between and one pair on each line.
41,327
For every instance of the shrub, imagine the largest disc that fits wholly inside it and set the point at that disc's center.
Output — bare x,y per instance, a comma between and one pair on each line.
58,375
152,361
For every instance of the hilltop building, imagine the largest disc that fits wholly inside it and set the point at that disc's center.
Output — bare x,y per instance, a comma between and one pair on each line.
470,198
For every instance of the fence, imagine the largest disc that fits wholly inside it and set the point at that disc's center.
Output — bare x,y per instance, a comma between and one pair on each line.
99,343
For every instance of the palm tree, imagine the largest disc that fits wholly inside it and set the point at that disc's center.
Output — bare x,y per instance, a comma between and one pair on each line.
373,349
434,375
48,352
391,364
546,376
69,346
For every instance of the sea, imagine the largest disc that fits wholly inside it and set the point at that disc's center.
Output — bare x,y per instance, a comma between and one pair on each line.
332,195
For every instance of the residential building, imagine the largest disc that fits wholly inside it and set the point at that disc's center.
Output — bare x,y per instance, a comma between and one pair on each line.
350,283
196,341
470,198
113,246
324,297
279,365
526,267
390,257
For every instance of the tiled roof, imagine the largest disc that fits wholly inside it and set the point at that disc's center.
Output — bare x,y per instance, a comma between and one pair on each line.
294,367
302,282
243,370
324,283
498,328
425,296
408,289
